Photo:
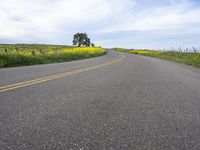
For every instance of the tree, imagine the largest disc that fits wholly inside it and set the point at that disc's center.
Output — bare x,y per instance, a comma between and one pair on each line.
87,42
81,39
92,44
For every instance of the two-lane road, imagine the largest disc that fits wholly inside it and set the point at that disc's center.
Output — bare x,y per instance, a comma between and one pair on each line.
105,103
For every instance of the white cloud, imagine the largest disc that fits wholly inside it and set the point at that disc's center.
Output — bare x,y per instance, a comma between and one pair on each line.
21,17
54,21
175,15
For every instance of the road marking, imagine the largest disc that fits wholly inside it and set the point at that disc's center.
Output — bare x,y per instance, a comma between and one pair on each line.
57,76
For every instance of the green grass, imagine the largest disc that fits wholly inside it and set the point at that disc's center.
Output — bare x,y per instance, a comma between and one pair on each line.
30,54
179,57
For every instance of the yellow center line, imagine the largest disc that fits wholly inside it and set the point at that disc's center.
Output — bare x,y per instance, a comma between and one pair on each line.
57,76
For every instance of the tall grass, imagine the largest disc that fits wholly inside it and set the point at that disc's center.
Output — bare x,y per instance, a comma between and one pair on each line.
18,55
186,57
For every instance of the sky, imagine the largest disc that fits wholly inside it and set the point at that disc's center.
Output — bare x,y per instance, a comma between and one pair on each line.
152,24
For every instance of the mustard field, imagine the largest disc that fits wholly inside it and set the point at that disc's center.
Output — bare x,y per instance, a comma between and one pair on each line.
24,54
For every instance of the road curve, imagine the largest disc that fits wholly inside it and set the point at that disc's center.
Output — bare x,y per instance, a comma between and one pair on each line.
135,103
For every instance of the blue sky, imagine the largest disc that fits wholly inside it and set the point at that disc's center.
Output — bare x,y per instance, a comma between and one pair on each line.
154,24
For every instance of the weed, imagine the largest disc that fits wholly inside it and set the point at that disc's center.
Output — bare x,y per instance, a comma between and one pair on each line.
190,57
43,54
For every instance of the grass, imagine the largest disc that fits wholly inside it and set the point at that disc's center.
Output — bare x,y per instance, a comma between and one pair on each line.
25,54
189,58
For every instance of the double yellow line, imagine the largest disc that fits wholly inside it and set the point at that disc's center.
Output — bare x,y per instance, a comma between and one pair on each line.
57,76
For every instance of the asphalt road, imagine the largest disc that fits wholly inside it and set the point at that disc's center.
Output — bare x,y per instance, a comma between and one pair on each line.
136,102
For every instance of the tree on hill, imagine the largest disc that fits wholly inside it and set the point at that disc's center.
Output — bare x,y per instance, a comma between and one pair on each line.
92,44
81,39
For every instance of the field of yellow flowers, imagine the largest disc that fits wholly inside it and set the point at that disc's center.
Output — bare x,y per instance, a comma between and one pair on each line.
189,58
22,54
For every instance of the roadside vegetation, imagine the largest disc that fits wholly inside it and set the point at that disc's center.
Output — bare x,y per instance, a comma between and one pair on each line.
29,54
189,57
